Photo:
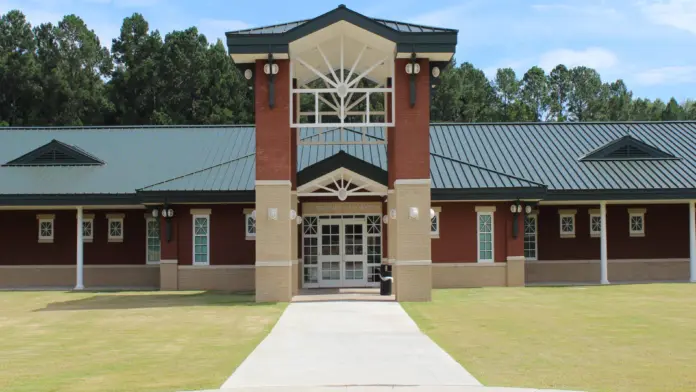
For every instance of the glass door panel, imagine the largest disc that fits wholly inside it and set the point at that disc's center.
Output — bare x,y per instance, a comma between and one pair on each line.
354,252
330,253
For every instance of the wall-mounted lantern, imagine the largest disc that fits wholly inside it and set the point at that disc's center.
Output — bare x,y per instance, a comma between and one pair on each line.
273,214
392,213
413,69
271,69
167,213
385,219
413,213
516,209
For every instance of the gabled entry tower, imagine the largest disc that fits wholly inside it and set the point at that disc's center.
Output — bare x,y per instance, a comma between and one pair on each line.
362,81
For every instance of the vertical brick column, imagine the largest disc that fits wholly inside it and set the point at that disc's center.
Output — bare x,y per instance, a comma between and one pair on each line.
274,183
169,255
514,249
409,169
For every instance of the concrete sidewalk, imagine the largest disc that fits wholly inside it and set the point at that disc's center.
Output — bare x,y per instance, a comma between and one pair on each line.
347,345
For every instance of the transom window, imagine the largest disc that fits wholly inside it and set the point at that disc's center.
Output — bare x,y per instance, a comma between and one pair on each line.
636,222
46,228
88,229
530,237
115,229
153,241
567,223
201,239
485,237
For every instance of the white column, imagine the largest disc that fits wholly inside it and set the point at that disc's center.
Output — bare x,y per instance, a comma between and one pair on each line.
603,262
79,285
692,241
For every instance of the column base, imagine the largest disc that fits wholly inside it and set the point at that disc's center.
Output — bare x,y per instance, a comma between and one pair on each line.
169,275
273,282
413,281
79,287
515,271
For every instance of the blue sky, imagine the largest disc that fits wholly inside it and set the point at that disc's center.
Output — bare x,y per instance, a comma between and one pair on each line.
651,44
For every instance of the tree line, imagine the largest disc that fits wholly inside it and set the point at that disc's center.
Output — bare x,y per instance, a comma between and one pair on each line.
62,75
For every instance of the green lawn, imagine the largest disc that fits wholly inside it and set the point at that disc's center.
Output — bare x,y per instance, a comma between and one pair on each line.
614,338
137,341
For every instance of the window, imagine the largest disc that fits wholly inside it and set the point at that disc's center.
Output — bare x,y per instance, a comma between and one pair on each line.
88,228
435,223
636,222
249,225
595,223
374,248
530,237
310,250
485,237
567,223
153,240
45,228
115,227
201,239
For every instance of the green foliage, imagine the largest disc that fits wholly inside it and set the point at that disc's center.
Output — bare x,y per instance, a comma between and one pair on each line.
62,75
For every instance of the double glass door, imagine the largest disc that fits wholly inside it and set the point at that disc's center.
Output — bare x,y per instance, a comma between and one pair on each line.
342,253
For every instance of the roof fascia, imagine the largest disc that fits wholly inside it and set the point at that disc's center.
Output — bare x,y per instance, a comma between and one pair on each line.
489,193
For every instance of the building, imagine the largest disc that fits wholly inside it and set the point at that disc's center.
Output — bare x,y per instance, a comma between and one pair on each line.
343,172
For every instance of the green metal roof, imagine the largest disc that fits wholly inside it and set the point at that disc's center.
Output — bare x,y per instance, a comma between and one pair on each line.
281,28
540,160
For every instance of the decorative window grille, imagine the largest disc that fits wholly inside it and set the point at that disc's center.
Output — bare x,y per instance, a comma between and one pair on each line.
530,237
115,229
87,229
250,225
201,239
153,241
636,222
485,237
595,225
567,223
46,229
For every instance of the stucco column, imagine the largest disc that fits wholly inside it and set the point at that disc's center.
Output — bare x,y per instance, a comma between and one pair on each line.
169,253
604,271
294,231
692,241
515,249
79,284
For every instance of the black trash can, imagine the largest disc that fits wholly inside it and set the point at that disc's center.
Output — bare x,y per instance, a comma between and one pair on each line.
385,273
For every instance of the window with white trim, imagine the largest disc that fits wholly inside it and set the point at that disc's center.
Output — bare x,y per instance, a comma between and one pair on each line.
46,228
530,237
250,226
152,237
435,223
88,229
595,224
636,222
115,228
567,223
485,237
201,239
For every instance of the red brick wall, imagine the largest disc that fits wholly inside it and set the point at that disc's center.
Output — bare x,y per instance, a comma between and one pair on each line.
410,139
666,234
228,245
273,135
19,239
458,232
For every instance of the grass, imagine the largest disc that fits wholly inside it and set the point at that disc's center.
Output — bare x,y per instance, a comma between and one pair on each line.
614,338
137,341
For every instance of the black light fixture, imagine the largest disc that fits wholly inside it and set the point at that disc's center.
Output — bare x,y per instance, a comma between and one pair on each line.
412,69
271,69
167,213
516,209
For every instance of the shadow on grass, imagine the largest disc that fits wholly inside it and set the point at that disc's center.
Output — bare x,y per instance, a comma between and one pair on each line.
113,300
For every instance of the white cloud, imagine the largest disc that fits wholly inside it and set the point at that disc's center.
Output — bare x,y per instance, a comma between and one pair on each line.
667,75
680,14
598,58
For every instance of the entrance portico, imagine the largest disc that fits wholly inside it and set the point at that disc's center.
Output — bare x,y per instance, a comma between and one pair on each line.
343,78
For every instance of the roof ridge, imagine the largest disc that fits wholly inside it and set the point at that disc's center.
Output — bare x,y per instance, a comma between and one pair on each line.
489,170
196,172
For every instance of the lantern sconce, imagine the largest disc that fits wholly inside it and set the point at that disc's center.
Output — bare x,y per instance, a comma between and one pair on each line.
273,214
253,215
298,220
385,219
413,213
248,74
167,213
271,69
516,209
412,69
293,214
392,213
432,214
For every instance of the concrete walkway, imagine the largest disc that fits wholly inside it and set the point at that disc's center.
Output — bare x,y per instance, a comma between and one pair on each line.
347,346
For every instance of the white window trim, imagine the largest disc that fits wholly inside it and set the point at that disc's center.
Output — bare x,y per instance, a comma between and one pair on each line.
207,238
636,212
149,219
436,233
248,236
43,219
478,235
567,214
88,218
115,218
534,215
594,213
